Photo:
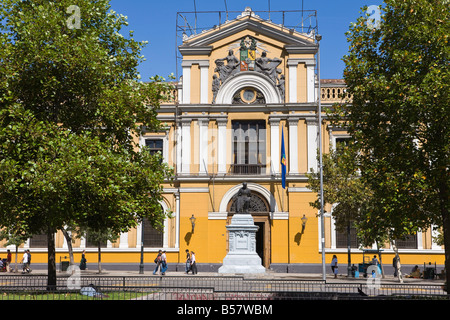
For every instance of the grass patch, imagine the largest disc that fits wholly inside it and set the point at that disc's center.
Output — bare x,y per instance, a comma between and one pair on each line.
40,296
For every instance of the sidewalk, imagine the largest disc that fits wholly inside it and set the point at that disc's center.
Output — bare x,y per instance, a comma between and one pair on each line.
269,275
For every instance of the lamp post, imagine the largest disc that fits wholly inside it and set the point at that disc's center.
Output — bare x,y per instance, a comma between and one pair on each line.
319,111
304,219
141,264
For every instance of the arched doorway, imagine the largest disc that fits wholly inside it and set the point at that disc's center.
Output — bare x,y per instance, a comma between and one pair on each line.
259,209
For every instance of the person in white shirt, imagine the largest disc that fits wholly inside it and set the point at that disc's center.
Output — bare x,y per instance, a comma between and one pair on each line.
163,263
193,263
25,262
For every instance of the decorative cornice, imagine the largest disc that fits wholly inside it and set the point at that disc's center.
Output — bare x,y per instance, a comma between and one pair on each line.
190,51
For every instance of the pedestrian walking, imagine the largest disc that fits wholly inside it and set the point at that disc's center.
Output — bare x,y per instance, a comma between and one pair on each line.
29,261
334,265
8,260
188,262
26,258
395,265
193,263
158,261
163,263
83,260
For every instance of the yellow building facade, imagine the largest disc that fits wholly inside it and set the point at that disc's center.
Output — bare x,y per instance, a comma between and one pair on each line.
248,87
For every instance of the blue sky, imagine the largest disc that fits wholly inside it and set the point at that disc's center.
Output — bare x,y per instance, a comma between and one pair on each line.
155,22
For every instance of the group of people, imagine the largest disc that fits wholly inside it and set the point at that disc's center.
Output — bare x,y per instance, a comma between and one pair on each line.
415,272
5,263
190,262
161,262
334,265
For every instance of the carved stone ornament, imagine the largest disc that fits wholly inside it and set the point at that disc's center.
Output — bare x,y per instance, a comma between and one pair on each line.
247,62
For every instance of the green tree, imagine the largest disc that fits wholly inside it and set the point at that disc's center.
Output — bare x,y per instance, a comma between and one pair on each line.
99,238
71,107
15,240
343,188
397,73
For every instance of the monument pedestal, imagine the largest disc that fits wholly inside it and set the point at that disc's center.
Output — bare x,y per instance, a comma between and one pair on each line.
242,256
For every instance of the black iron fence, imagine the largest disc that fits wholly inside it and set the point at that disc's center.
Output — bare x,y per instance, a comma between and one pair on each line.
34,287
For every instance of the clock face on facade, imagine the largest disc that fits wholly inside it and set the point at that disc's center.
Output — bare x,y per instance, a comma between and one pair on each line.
248,95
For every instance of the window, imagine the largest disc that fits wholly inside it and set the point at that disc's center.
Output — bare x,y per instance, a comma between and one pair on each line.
155,145
91,243
342,238
152,237
342,142
39,241
410,242
249,147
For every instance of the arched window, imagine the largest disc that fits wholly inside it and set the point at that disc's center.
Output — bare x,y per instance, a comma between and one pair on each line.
257,204
153,238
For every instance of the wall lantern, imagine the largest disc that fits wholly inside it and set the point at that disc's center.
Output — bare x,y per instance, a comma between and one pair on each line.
304,219
192,222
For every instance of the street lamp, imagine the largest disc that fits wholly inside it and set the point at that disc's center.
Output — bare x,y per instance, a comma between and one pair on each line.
141,264
193,219
322,221
304,219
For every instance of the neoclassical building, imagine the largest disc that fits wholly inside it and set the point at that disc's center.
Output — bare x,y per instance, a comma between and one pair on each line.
248,88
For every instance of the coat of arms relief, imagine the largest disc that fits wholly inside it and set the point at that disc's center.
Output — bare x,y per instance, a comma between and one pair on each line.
248,50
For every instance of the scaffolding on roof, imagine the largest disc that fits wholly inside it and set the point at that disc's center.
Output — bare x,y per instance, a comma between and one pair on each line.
189,24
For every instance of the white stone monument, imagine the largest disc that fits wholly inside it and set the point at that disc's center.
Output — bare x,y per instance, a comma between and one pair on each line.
242,256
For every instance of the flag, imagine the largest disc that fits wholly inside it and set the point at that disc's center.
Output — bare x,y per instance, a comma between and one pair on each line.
283,161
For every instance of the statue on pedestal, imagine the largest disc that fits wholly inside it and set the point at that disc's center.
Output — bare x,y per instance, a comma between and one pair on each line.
243,199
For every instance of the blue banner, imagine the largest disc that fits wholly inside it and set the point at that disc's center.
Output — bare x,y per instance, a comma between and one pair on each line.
283,161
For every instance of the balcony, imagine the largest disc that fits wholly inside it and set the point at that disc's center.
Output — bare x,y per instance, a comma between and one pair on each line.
247,169
334,90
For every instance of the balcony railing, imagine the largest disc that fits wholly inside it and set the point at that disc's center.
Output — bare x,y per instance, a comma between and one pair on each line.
247,169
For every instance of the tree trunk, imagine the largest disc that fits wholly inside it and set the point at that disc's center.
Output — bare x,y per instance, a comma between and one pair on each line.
349,250
381,262
51,266
446,228
443,197
99,258
399,266
17,253
69,244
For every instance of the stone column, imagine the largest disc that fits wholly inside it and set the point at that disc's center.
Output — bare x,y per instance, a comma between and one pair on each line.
186,146
222,145
203,146
204,83
310,81
186,98
292,67
293,145
311,125
275,145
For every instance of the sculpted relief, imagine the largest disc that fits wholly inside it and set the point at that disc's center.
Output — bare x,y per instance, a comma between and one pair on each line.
230,65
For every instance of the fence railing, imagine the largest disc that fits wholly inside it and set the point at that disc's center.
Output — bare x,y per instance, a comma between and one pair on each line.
205,288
